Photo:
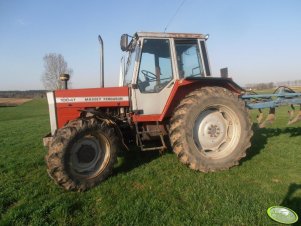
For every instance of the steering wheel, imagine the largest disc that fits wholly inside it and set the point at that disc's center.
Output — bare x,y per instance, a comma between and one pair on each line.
149,76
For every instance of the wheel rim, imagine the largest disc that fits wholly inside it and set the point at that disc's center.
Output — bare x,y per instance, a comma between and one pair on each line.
217,131
89,156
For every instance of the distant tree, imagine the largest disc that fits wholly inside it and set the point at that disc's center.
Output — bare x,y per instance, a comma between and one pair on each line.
54,66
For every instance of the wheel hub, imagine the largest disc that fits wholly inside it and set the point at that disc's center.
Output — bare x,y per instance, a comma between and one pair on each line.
86,155
214,131
211,130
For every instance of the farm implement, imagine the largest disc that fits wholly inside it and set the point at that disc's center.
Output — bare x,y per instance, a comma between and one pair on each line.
280,97
166,98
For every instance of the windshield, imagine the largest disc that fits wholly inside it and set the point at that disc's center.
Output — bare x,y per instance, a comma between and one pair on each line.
129,65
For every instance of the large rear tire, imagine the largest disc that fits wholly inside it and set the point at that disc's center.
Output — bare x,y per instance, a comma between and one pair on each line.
210,130
82,154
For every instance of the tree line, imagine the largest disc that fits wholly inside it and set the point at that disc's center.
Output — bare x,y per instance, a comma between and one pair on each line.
23,94
270,85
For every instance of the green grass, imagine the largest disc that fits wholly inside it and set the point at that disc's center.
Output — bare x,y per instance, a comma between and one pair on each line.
147,189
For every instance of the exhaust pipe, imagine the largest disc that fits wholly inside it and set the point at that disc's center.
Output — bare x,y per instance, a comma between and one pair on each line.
121,71
101,62
65,78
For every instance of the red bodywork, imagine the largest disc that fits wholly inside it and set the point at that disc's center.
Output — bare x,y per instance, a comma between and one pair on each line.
70,102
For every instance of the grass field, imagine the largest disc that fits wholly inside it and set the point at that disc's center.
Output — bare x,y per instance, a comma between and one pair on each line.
147,189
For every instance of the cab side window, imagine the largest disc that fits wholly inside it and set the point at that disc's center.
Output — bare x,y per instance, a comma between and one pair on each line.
155,70
189,59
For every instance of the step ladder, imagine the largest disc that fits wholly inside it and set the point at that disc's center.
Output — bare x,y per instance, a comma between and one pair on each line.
158,132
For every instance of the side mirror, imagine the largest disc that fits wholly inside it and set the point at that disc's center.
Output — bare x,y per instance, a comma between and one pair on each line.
124,42
224,72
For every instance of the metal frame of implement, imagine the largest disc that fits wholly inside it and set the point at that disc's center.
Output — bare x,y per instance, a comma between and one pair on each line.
258,101
281,97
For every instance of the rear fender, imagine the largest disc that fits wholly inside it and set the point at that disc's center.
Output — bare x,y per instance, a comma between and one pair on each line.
184,87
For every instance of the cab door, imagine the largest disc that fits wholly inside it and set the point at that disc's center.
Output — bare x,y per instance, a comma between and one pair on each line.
155,78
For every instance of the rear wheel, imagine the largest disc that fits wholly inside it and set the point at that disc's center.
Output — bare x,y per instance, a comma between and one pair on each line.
82,154
211,129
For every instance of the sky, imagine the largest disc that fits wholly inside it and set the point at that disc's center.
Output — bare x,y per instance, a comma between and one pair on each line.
258,40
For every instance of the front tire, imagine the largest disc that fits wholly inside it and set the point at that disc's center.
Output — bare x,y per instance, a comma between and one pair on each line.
82,154
211,129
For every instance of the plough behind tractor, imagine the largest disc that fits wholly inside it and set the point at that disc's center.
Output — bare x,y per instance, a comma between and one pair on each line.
280,97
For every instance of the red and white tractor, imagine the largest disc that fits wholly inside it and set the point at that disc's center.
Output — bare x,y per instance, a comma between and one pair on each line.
166,93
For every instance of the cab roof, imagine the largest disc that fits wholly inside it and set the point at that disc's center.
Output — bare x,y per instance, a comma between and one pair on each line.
171,35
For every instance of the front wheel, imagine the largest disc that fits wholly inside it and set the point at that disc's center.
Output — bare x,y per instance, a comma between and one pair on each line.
82,154
211,129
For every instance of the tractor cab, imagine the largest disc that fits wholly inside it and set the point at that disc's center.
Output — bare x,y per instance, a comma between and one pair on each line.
156,61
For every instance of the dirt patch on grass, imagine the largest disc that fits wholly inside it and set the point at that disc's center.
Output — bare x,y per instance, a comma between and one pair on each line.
12,102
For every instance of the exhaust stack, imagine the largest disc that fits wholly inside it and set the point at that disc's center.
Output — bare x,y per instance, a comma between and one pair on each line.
65,78
101,62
